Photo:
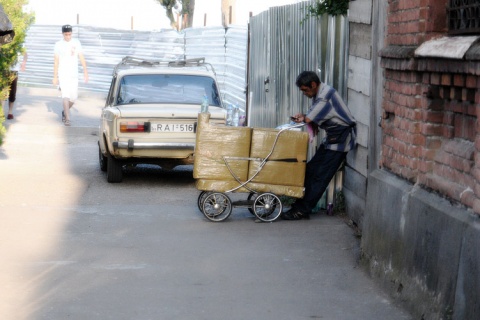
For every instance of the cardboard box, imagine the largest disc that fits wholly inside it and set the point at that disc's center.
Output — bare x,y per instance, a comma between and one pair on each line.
282,174
213,142
288,155
290,191
278,172
224,186
218,185
290,145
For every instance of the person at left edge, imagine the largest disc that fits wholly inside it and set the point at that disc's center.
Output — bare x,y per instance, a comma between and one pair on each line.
18,66
65,71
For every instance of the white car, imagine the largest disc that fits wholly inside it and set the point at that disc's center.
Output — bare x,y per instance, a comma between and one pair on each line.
150,115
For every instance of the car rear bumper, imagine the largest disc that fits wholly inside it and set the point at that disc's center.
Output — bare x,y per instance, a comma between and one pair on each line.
132,145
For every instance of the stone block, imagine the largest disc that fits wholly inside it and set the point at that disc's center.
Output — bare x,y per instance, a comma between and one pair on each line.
359,75
359,105
422,248
358,158
360,11
355,206
361,40
467,290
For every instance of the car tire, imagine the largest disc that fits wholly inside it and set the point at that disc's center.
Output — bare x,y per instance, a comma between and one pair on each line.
102,160
114,169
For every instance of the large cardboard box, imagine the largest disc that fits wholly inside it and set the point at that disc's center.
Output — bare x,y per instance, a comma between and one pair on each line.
213,142
219,186
290,146
278,173
227,186
282,174
287,161
290,191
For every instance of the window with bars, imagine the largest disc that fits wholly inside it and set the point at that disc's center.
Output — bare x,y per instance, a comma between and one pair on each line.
464,17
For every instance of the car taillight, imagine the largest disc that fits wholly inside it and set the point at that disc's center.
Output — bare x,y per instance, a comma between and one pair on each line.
132,126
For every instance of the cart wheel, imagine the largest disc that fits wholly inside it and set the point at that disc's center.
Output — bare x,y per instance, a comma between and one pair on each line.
201,198
252,196
267,207
217,206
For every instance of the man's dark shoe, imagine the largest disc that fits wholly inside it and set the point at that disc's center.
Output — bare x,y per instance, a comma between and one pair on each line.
293,214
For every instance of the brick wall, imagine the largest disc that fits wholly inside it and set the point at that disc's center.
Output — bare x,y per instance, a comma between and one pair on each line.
411,22
431,135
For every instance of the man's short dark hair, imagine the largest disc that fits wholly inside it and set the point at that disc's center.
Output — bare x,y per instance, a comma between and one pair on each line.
306,78
66,28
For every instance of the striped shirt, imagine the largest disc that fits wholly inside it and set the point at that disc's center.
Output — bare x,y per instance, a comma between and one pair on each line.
331,114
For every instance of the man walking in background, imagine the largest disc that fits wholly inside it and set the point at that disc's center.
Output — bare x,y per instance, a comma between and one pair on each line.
65,71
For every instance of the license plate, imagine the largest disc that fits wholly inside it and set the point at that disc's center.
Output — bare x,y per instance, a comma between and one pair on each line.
171,127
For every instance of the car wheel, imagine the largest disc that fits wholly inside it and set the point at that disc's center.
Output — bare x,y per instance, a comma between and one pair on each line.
102,160
114,169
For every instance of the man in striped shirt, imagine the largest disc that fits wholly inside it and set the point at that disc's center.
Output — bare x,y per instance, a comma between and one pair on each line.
330,113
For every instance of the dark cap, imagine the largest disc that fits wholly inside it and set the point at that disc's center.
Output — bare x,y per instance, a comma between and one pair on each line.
66,28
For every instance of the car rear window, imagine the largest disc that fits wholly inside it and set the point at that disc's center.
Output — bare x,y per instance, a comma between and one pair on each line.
172,89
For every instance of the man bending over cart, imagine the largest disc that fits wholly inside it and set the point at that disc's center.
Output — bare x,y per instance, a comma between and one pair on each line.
330,113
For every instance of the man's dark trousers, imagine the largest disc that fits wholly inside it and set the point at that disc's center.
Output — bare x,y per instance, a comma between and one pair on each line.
320,171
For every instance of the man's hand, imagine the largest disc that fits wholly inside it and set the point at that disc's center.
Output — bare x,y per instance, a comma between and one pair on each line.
298,118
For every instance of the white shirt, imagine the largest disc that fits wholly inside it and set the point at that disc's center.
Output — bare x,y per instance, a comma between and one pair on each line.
67,53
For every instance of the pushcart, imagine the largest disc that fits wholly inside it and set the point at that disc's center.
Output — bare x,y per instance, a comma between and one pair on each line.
264,164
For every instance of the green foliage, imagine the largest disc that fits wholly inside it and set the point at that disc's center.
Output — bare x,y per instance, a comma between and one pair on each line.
21,21
187,6
169,5
3,131
330,7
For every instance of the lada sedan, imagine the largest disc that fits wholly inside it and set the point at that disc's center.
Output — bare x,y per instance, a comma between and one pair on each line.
151,110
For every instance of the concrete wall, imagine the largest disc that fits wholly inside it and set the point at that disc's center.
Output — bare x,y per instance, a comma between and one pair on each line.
422,249
359,91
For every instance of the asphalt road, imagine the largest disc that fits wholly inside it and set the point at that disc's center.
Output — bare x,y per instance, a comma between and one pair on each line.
73,246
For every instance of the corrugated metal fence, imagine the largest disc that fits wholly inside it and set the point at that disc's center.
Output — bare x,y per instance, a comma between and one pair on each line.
281,46
104,48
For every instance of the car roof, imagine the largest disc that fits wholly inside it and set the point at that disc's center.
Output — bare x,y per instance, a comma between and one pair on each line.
134,65
140,71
